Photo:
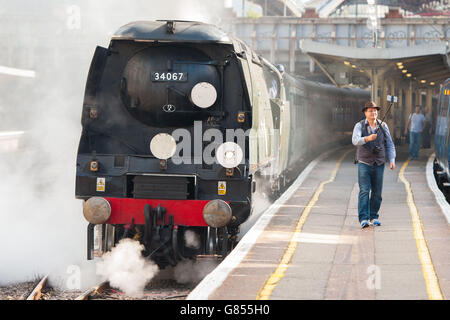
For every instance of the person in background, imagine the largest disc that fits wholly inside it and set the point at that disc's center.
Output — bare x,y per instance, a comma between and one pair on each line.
415,124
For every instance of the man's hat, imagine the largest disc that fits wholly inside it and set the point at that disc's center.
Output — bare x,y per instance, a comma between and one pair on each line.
370,104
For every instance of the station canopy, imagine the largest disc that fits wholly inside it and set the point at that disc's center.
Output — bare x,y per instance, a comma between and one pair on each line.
425,65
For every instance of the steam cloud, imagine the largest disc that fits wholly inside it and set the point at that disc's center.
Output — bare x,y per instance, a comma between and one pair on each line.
192,239
193,271
125,268
43,229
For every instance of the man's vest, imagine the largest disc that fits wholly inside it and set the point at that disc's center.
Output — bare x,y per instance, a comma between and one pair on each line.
365,152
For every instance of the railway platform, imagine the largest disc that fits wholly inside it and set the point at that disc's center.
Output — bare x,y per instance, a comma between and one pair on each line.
309,244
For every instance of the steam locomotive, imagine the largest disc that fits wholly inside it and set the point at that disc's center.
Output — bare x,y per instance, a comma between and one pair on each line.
182,125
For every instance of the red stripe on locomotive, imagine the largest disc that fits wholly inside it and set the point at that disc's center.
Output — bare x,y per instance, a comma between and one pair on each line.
184,212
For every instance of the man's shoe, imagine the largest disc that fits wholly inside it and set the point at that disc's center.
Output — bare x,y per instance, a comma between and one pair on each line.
375,222
364,224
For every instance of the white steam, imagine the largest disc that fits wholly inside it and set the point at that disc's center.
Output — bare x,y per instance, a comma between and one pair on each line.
262,202
192,239
190,271
125,268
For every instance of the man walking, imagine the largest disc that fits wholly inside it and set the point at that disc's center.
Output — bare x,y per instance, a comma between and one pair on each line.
373,142
416,123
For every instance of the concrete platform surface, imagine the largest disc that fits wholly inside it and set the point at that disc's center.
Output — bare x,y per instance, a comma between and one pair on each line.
314,248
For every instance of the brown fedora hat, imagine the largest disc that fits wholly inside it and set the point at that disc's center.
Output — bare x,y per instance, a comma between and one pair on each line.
370,104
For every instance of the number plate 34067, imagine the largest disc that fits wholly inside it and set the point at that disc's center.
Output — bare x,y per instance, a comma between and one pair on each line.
169,76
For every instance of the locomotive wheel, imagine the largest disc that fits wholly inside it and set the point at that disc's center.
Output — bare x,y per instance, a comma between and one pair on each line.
224,240
217,241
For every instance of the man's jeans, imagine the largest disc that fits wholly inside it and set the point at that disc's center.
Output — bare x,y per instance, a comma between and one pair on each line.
414,144
370,180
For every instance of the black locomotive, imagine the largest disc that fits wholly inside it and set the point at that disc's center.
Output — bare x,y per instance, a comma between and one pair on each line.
163,101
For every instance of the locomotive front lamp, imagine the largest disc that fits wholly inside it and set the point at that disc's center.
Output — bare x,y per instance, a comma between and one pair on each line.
217,213
203,95
163,146
96,210
229,155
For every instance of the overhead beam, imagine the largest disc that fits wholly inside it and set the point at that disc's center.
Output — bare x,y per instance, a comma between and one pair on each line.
425,64
324,70
431,68
428,75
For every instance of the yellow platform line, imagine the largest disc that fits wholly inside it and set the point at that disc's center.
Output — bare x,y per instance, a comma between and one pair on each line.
278,274
428,271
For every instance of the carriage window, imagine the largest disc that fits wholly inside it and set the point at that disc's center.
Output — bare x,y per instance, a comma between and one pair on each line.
444,111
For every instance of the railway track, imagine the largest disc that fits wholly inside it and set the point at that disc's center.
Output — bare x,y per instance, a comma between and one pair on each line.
94,291
41,289
162,289
36,294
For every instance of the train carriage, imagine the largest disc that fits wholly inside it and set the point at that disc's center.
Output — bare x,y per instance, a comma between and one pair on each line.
441,139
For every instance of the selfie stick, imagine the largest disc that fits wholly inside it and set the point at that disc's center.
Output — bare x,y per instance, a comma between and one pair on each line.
392,100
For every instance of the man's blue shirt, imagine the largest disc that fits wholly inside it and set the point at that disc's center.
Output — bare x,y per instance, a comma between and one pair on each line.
416,122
